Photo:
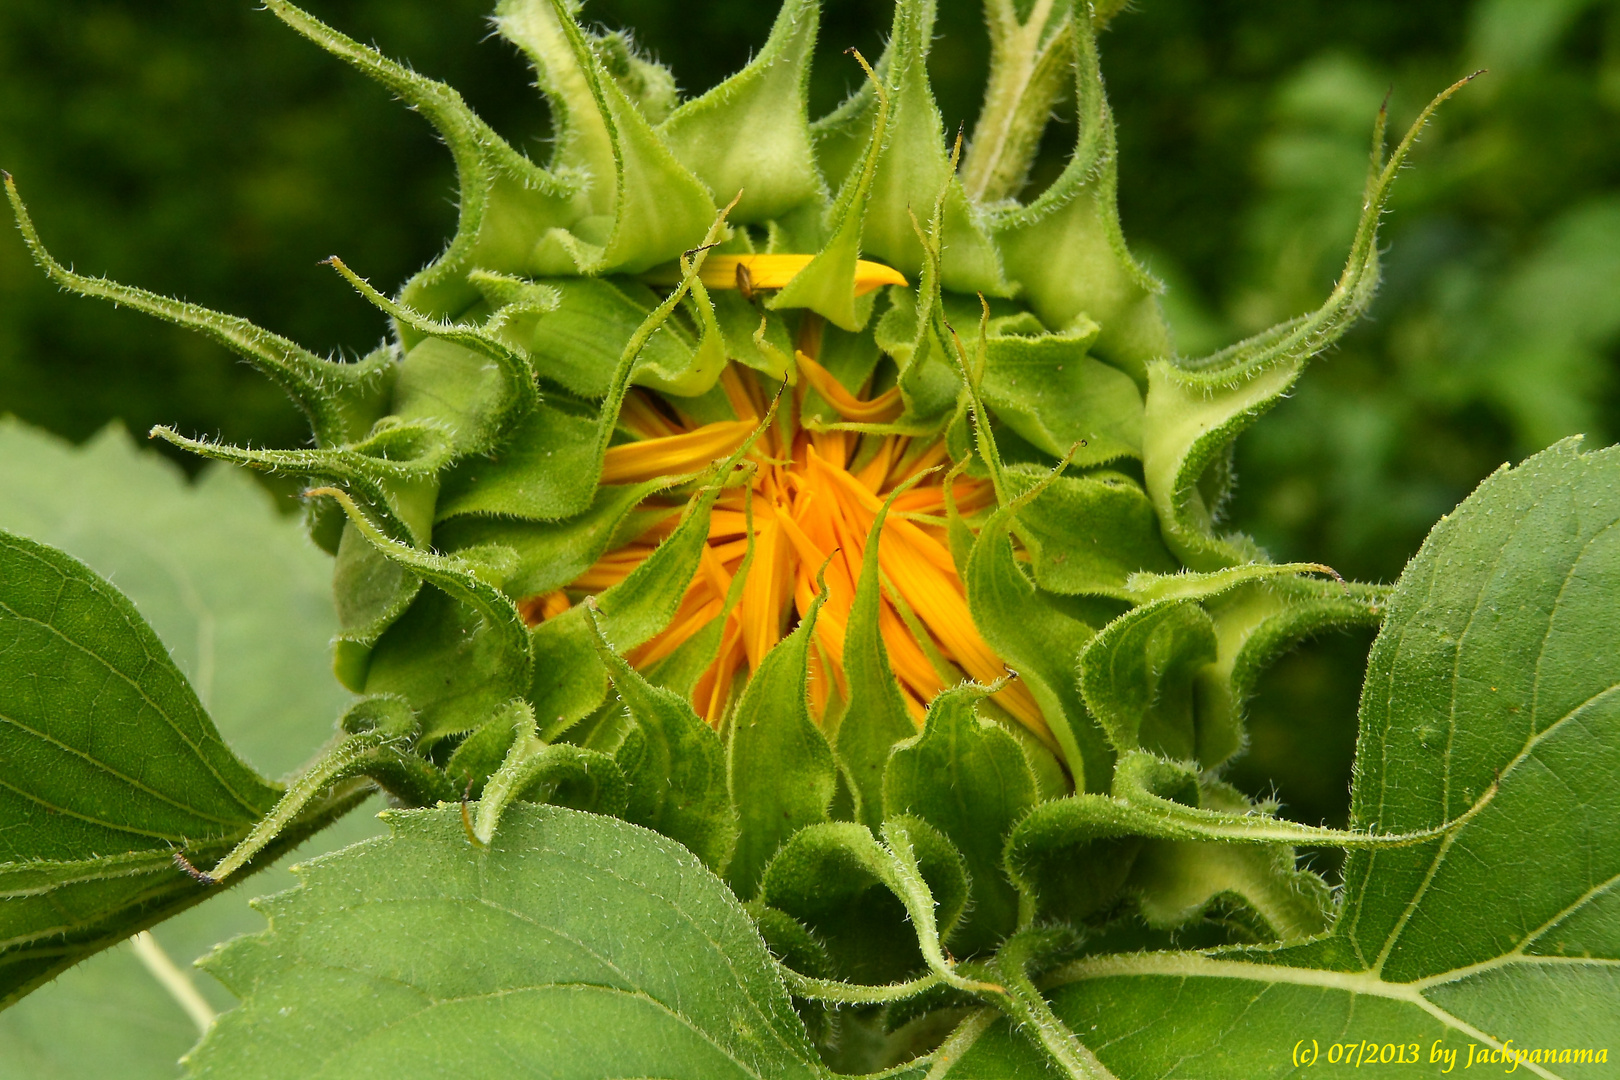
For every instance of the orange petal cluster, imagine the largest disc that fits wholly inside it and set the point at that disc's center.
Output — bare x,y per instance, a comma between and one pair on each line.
812,499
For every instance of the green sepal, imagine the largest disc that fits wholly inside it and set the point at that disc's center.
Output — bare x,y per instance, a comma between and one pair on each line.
1180,848
1254,891
516,393
876,718
674,762
578,346
836,880
796,948
340,400
1088,535
914,169
1046,388
928,380
649,85
1255,625
1066,251
369,590
569,678
827,284
780,770
475,760
552,554
1196,408
1139,677
505,199
969,779
495,658
534,771
545,470
652,208
759,339
1069,861
790,941
393,471
751,133
455,389
1039,639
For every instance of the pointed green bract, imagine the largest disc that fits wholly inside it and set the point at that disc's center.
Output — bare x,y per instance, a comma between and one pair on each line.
1195,410
1066,251
505,198
1040,641
838,882
644,207
752,132
780,768
676,766
876,718
967,778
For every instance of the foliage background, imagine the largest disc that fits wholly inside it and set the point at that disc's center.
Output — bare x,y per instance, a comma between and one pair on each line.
198,148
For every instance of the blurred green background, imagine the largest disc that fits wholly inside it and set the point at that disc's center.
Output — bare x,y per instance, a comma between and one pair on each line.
198,148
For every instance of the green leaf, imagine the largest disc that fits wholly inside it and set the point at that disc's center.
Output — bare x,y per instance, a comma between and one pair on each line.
780,768
104,749
967,778
419,954
837,881
1494,687
251,636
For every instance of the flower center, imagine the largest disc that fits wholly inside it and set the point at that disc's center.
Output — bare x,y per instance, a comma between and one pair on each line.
812,499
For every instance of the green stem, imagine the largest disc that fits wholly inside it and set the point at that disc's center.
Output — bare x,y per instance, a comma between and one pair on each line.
906,880
1027,1008
843,993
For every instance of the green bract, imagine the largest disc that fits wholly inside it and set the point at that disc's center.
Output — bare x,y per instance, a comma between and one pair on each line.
791,488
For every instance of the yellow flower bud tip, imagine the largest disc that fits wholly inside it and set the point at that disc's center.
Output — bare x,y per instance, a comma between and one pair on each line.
751,272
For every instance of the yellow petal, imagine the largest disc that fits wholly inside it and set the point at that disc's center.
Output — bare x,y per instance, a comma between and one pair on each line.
775,271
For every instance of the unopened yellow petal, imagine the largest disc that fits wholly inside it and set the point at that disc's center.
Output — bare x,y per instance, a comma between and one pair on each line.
775,271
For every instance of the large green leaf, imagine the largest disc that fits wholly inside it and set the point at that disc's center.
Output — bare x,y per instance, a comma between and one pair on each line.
1493,691
108,764
252,637
575,946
